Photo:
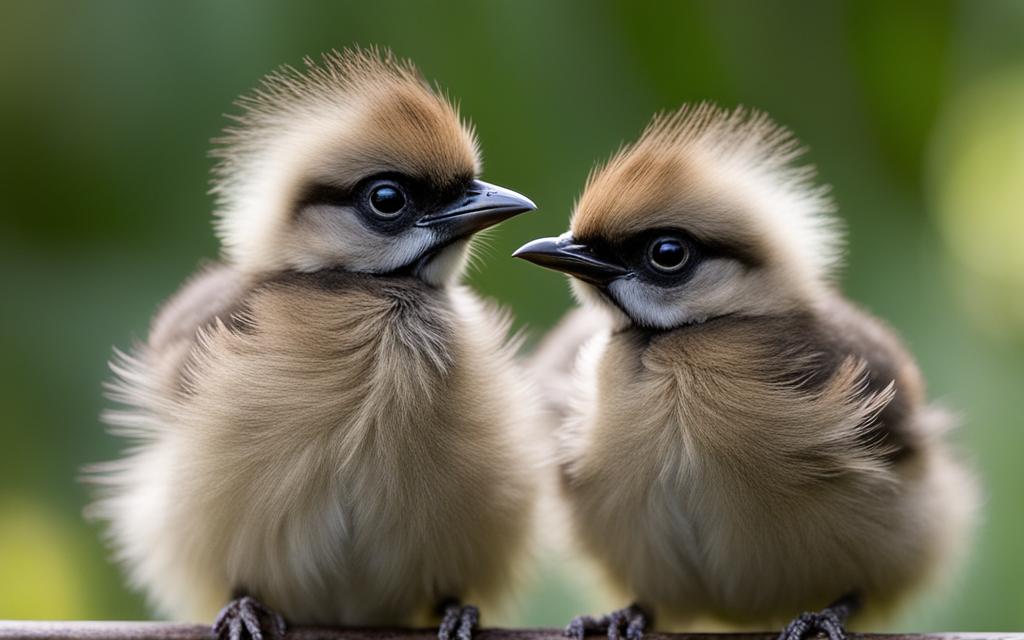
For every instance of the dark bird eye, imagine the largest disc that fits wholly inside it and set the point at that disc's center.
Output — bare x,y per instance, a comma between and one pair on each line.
387,200
667,254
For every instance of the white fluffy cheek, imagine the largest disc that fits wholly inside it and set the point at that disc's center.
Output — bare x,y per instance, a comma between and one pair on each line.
719,287
587,294
446,267
331,237
650,305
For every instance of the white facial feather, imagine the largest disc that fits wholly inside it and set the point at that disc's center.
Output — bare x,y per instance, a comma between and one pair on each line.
335,236
719,287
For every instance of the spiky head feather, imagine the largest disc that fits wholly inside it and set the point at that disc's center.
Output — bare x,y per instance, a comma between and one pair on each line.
341,118
722,175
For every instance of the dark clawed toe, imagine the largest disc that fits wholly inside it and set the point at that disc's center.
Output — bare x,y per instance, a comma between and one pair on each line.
833,626
248,612
458,622
240,620
579,626
810,624
631,621
637,624
448,622
468,621
616,621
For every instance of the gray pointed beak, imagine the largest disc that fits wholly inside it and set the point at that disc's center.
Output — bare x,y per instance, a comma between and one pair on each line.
482,205
576,259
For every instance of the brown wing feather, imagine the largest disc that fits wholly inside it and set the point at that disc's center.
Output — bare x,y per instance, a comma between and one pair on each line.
817,345
215,294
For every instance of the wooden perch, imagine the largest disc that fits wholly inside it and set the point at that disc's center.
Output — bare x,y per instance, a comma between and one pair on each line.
163,631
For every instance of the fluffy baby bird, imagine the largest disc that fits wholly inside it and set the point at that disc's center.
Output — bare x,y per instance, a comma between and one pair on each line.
744,443
327,427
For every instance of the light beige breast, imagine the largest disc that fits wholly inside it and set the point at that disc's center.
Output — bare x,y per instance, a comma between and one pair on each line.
351,452
707,485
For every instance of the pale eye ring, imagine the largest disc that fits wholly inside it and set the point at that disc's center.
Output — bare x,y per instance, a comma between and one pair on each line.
387,200
667,254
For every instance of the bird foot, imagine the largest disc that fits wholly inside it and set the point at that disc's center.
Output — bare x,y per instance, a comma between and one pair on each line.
810,624
458,623
828,622
631,622
240,620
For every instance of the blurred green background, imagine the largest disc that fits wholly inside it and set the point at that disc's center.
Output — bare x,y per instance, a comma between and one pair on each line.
913,111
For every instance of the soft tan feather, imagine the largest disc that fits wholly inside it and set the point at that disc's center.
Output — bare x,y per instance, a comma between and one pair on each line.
710,482
353,453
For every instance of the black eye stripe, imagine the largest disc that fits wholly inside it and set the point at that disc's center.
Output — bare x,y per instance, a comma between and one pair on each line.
676,267
324,194
699,248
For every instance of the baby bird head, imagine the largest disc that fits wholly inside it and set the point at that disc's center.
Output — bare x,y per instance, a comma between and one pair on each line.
353,163
704,216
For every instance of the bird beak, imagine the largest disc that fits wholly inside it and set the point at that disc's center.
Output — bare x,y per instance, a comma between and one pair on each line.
482,205
568,256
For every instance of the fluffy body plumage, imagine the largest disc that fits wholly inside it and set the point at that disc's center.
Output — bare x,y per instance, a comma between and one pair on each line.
319,422
710,478
743,444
